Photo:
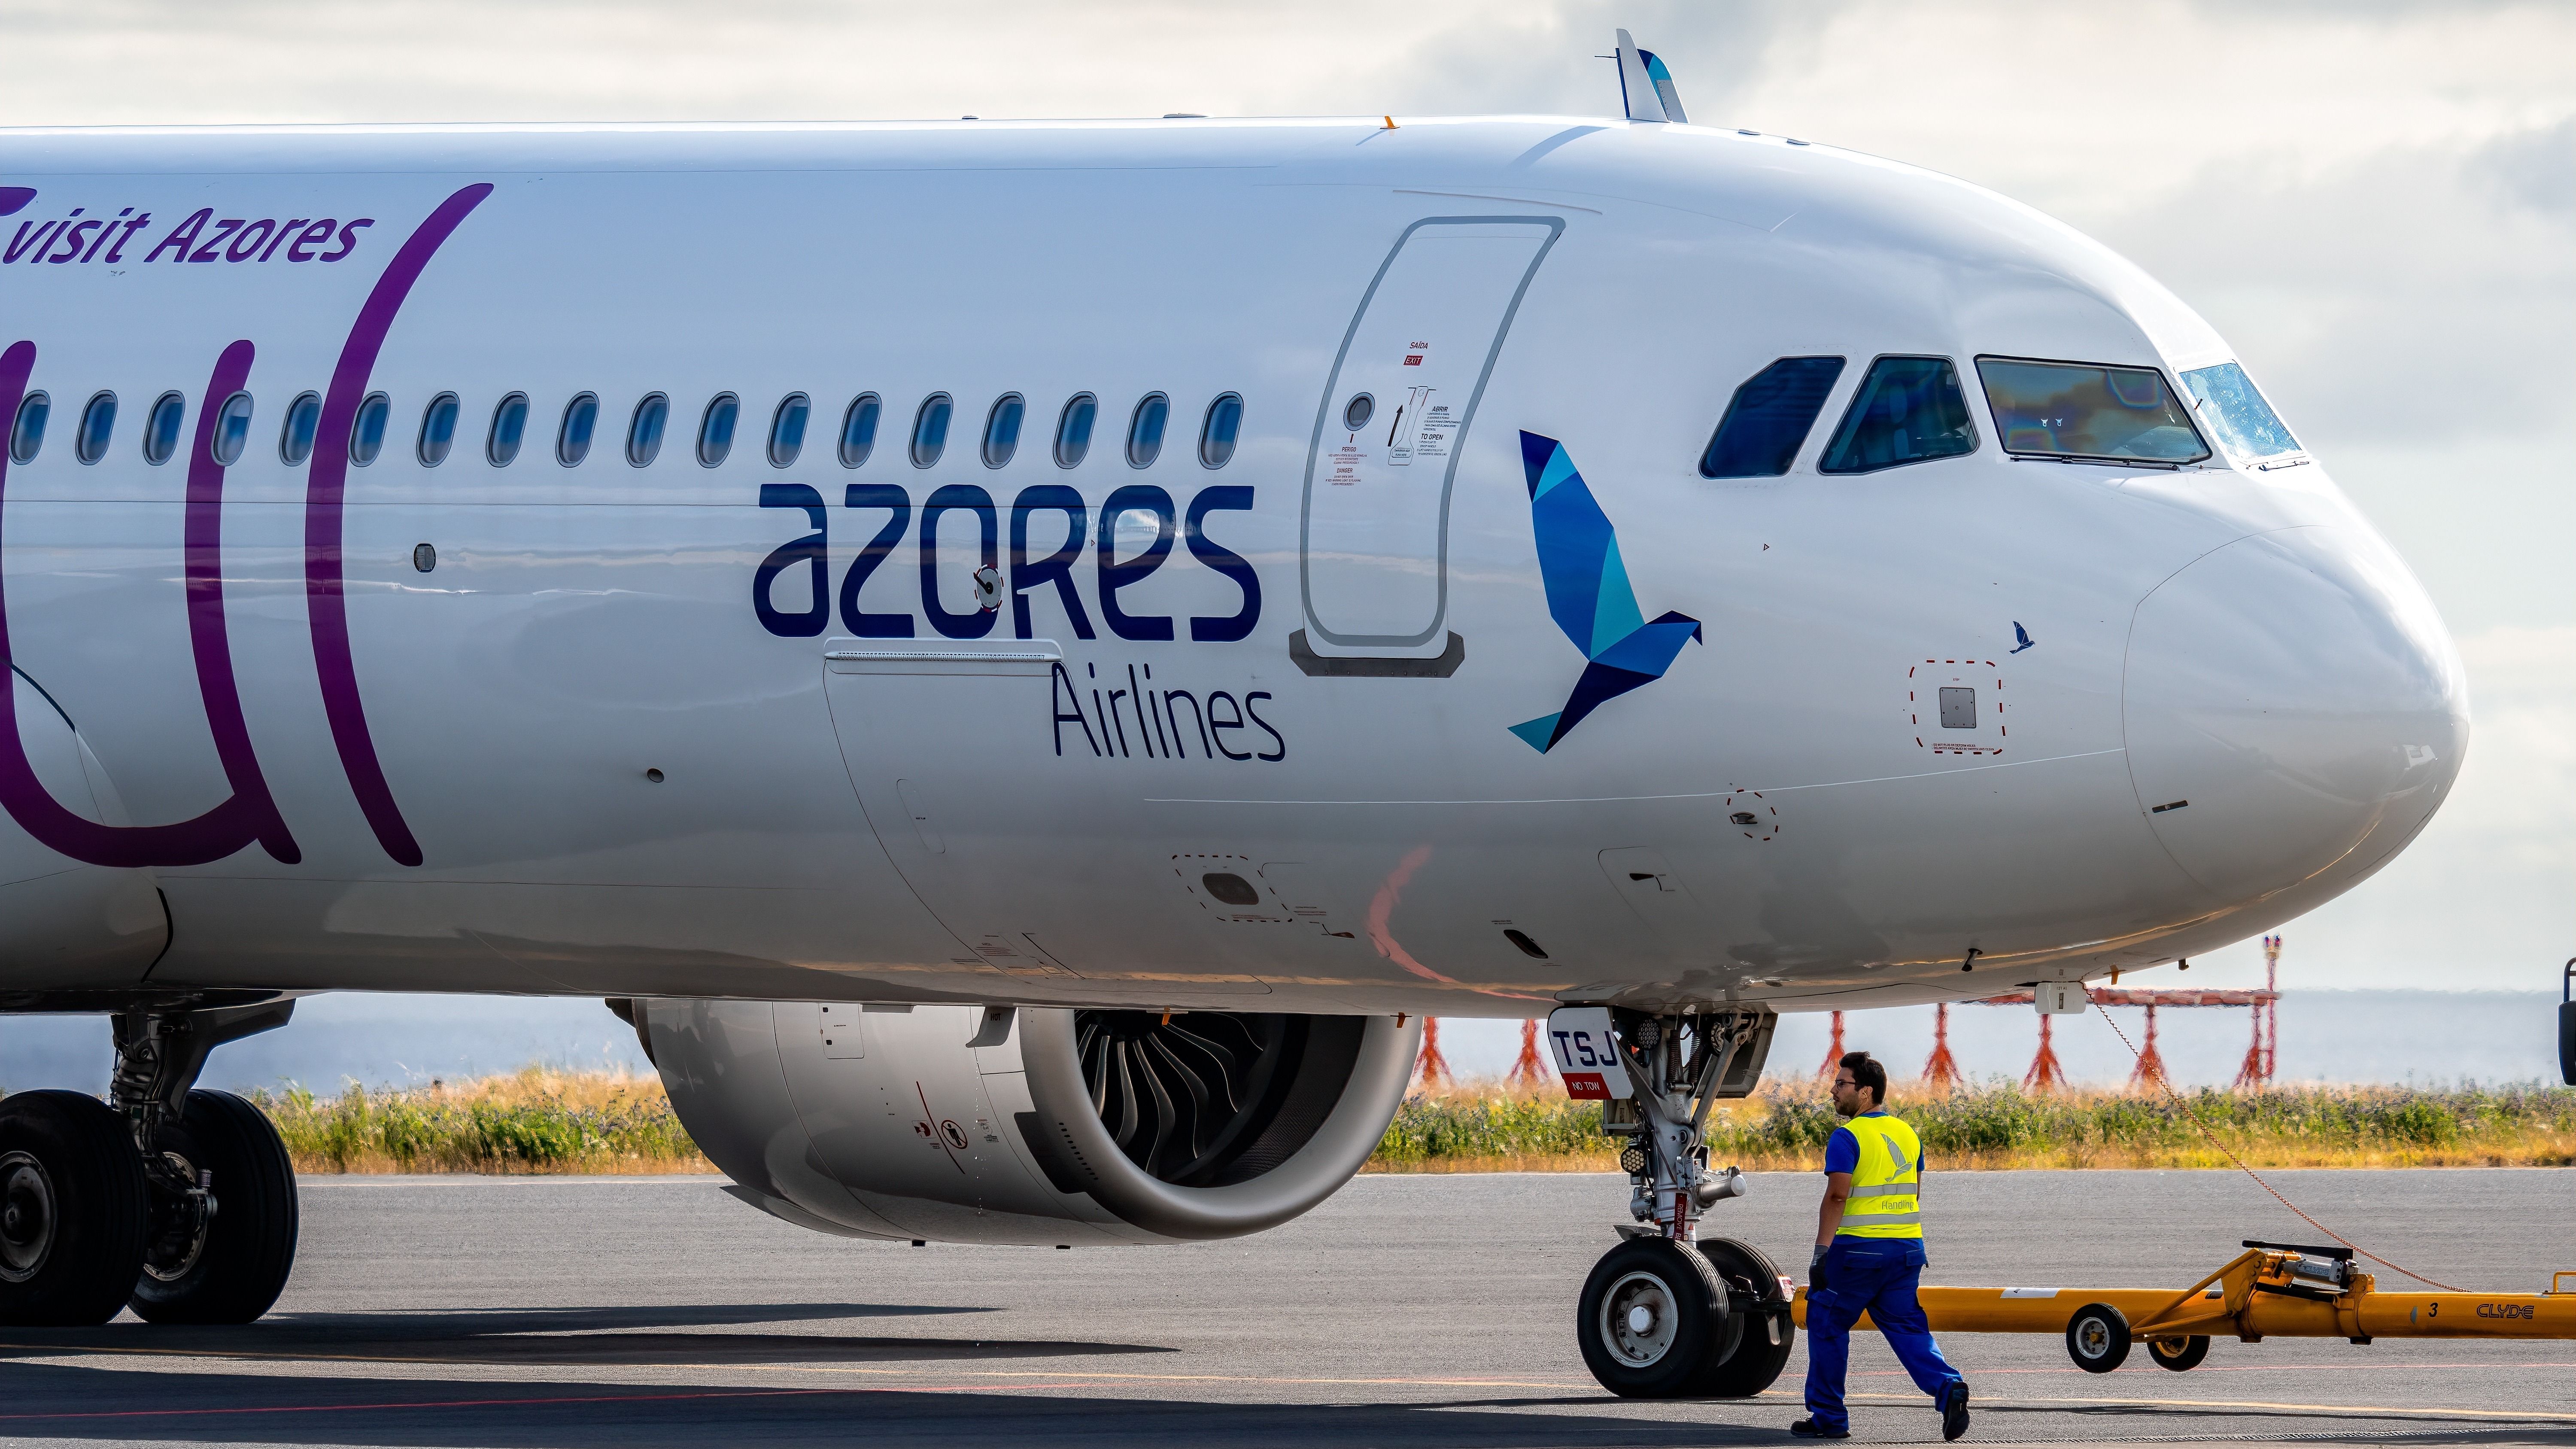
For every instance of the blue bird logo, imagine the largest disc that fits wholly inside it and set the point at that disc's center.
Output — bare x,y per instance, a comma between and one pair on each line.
2022,635
1589,596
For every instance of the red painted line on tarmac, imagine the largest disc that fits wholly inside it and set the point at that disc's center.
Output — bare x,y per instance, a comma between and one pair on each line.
513,1403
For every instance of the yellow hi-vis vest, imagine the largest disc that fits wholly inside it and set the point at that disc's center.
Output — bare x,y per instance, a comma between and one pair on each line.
1884,1184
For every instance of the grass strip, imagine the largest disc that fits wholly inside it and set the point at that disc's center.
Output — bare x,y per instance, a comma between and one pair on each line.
539,1120
534,1120
1997,1125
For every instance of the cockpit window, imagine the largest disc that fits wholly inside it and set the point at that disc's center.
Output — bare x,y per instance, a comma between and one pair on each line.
2245,425
1907,410
2079,411
1768,419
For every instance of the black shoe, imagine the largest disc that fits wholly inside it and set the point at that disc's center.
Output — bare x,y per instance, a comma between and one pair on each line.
1810,1429
1954,1412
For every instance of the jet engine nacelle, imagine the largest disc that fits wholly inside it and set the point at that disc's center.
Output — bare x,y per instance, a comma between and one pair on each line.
996,1125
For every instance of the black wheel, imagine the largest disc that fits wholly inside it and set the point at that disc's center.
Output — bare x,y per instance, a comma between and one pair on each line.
1752,1361
1651,1316
229,1265
2179,1354
72,1210
2097,1338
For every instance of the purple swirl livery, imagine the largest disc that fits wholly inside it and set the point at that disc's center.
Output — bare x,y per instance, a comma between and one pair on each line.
250,813
325,597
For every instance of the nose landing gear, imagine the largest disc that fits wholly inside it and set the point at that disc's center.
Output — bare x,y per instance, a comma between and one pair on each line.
1666,1314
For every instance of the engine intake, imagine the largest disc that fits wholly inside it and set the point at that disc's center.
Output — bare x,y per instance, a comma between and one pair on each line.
1038,1126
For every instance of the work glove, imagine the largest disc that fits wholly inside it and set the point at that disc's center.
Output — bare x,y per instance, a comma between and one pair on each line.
1816,1269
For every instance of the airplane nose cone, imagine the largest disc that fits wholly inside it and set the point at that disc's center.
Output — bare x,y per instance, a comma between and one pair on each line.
2294,711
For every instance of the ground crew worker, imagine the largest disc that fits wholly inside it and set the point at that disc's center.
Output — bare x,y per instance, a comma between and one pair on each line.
1869,1257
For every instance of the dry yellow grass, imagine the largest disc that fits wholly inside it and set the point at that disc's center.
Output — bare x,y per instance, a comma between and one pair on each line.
1486,1126
538,1120
534,1120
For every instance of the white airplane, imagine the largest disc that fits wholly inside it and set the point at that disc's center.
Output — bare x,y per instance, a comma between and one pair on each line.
1026,657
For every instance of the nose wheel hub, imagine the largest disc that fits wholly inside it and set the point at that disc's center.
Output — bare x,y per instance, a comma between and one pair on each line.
1637,1319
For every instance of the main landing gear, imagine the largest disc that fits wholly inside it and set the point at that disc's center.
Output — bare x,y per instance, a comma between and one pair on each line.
1667,1314
176,1201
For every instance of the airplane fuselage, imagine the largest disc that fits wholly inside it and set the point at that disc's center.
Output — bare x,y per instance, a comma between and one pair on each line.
1300,709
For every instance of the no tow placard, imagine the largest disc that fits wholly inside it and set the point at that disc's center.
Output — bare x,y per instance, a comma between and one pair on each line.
1587,1056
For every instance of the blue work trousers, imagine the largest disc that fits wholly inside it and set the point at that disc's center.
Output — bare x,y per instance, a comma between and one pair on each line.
1876,1276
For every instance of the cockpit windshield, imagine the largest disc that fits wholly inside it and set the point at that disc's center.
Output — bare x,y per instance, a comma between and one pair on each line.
2078,411
2245,425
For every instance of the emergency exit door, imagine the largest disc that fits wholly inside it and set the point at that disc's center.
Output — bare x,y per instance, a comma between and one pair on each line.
1395,415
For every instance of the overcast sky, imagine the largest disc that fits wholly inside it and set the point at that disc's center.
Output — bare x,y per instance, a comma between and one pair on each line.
2375,201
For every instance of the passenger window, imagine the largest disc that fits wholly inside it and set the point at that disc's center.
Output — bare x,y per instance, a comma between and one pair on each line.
580,420
2082,413
787,429
98,426
1145,430
1357,412
27,431
1002,429
644,430
930,429
1073,429
438,429
2235,410
1906,410
715,429
295,436
161,428
367,429
509,431
232,430
1768,419
859,429
1217,434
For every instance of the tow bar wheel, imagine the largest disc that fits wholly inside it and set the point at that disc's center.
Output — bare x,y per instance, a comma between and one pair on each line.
2179,1354
1651,1315
2097,1338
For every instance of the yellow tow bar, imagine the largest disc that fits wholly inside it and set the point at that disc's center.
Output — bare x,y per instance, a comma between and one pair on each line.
2281,1290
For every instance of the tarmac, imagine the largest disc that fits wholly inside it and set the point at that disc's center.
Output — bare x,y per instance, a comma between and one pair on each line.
1408,1310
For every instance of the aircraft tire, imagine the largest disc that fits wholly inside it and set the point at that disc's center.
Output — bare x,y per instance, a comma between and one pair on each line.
72,1210
1651,1316
233,1267
2179,1354
1751,1361
2097,1338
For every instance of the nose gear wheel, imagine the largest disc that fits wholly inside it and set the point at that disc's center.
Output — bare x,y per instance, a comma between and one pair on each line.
1651,1315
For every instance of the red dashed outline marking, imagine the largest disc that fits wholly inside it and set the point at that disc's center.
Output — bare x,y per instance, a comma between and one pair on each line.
1915,718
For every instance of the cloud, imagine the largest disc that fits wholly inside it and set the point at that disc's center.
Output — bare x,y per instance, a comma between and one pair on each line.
2536,169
